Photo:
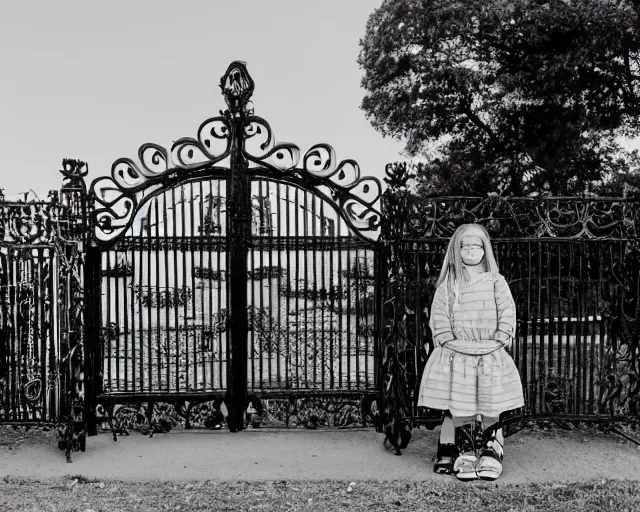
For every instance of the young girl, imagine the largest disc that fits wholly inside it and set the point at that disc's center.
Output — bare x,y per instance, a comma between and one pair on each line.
469,374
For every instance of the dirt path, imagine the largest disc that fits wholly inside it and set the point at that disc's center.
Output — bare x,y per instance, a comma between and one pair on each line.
316,455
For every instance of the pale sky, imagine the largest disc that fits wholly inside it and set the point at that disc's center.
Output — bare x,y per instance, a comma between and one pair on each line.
95,80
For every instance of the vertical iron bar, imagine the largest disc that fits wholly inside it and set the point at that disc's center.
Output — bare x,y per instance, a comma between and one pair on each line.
125,308
252,306
316,301
14,332
163,294
417,312
184,290
349,310
211,237
357,287
529,340
47,328
92,334
594,293
158,250
136,330
260,239
124,366
173,292
5,347
605,324
39,342
289,288
587,327
108,346
548,364
19,332
341,297
270,336
525,270
299,243
561,315
381,293
332,287
194,318
280,271
207,275
307,294
578,342
222,276
537,350
518,341
571,333
202,276
323,249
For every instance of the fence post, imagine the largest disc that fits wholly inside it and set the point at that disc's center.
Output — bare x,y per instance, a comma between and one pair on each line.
381,288
93,362
237,88
73,244
394,209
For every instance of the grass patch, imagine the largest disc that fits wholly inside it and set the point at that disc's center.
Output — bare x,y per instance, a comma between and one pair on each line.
80,494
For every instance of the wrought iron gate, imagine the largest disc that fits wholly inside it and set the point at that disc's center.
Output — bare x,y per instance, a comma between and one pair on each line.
227,272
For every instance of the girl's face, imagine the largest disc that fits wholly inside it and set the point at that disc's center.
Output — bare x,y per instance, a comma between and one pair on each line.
471,250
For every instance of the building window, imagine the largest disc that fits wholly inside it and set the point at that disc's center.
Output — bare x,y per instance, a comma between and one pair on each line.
262,217
329,226
216,205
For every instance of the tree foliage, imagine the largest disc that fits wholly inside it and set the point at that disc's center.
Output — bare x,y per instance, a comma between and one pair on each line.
514,96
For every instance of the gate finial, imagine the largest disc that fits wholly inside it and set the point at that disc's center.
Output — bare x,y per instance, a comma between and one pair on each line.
237,86
74,172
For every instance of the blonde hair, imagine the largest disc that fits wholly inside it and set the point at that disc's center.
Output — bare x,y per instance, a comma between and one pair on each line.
452,272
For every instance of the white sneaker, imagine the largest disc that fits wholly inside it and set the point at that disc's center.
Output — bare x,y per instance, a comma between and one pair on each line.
488,467
464,466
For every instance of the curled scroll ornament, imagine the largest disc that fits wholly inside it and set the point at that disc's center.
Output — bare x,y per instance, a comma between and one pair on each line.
506,217
353,196
115,197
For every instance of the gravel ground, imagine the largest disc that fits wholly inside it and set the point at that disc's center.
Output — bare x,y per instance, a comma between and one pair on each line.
300,470
265,455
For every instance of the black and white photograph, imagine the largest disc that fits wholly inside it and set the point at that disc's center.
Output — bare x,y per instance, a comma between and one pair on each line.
296,255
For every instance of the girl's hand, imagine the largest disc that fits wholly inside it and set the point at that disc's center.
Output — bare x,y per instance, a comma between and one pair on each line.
503,338
444,342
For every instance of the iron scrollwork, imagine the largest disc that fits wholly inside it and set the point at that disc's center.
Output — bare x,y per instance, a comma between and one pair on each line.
41,290
116,198
570,218
311,412
29,222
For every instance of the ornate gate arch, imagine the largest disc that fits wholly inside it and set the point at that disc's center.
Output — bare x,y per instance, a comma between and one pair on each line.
224,270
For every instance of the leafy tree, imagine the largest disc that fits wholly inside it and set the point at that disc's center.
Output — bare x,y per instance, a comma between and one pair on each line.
514,96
